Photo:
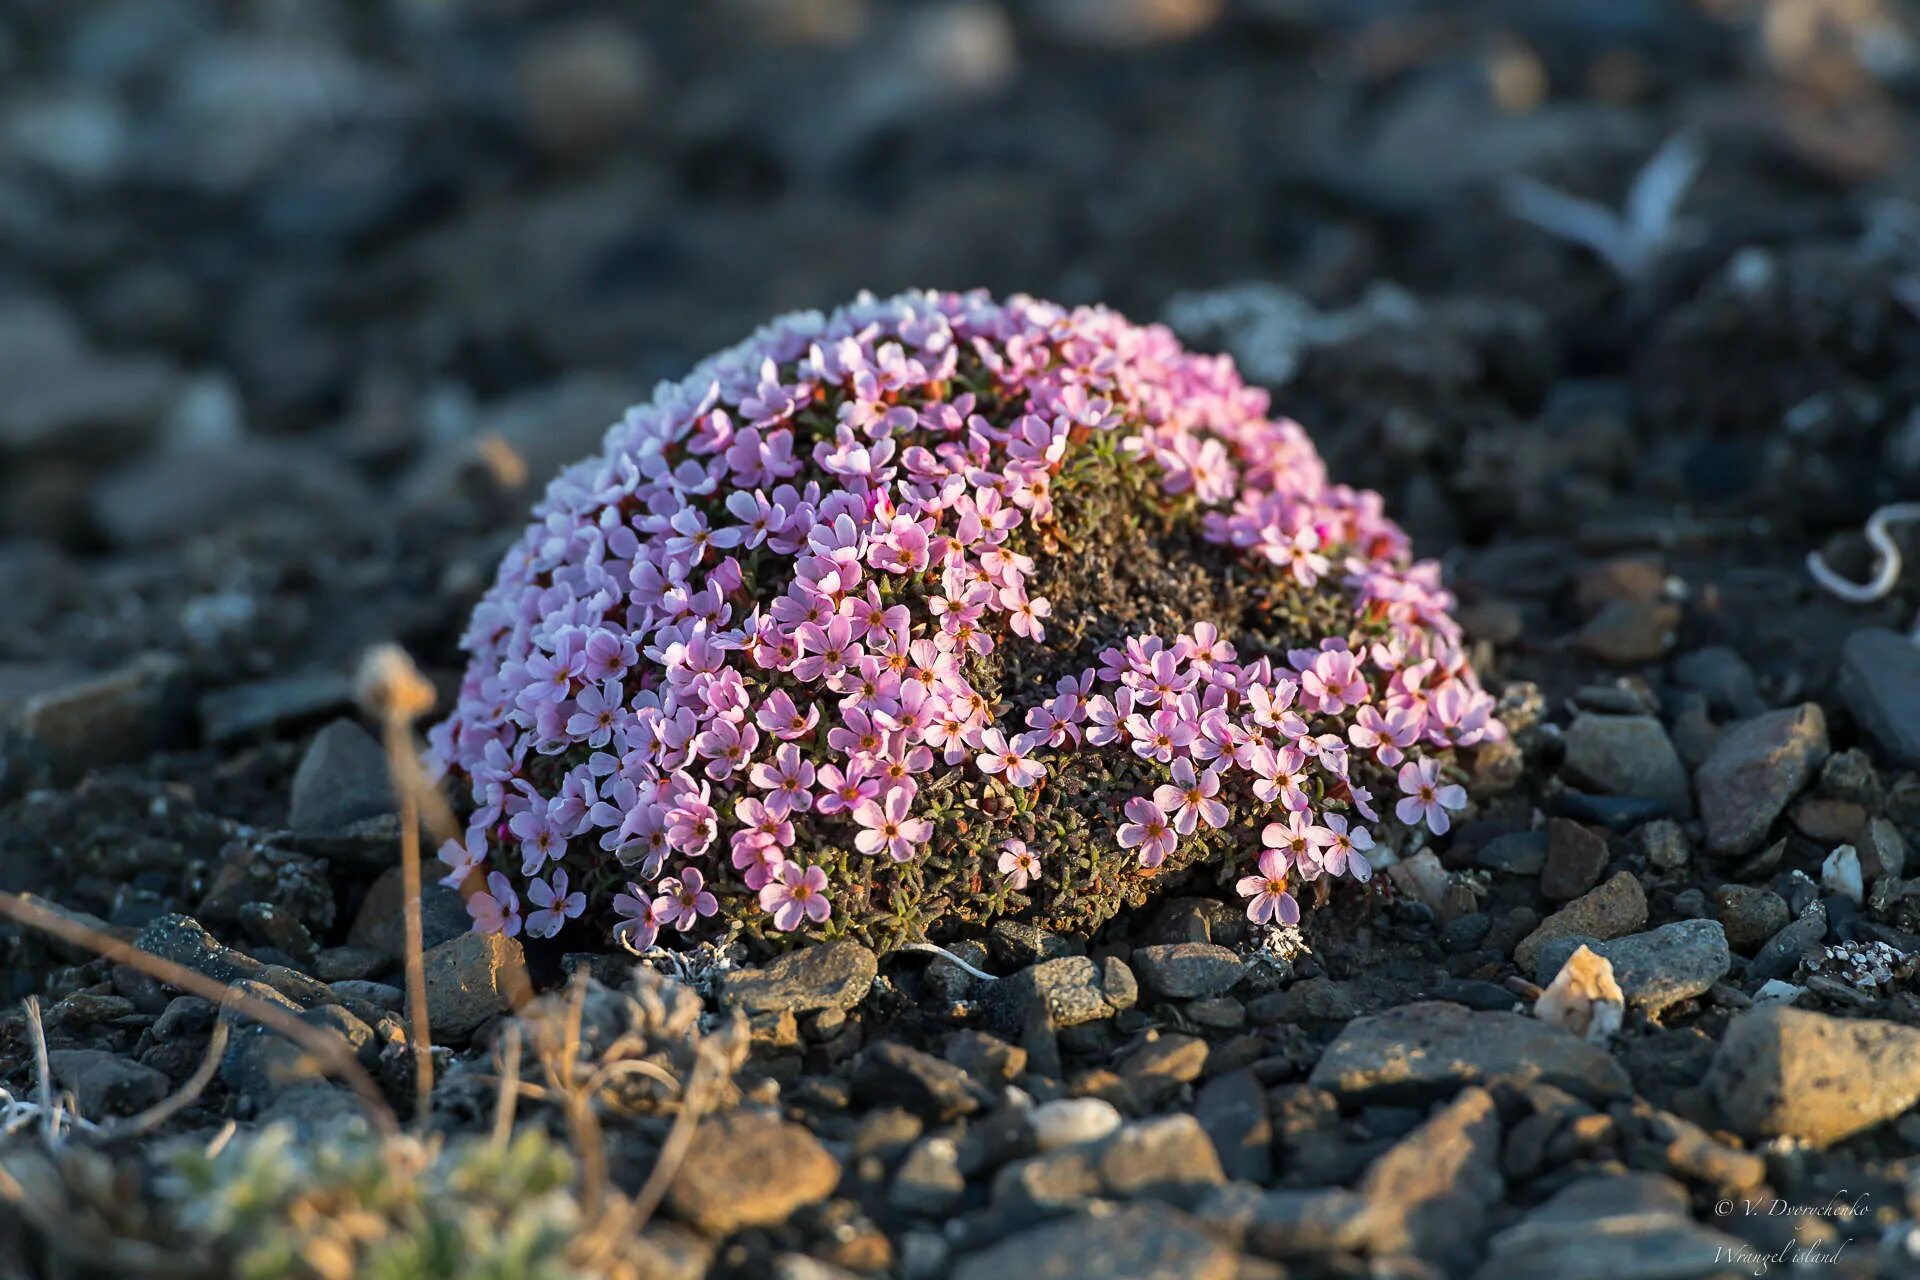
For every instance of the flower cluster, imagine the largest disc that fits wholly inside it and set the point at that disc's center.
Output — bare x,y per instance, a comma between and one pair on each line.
743,645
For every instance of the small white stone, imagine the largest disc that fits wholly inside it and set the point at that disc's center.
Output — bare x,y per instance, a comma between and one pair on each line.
1841,874
1775,991
1067,1122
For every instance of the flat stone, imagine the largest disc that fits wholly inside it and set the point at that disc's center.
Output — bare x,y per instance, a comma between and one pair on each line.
1756,768
1627,756
1613,909
1786,1072
1140,1242
1750,913
1288,1224
1187,970
467,981
749,1169
1656,969
929,1181
832,975
1879,678
1430,1192
1422,1052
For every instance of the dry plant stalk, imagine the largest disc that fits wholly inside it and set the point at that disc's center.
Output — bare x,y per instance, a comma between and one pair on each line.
328,1048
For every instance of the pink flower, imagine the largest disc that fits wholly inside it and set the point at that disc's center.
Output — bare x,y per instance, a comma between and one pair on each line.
843,791
1426,798
1270,900
886,828
1019,864
786,781
1334,682
1189,801
998,755
557,906
1344,849
796,895
495,909
1148,830
639,926
1299,839
683,900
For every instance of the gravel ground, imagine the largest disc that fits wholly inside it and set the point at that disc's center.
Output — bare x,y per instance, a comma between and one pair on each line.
300,303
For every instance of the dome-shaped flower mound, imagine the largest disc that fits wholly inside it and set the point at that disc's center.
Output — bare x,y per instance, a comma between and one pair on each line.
937,609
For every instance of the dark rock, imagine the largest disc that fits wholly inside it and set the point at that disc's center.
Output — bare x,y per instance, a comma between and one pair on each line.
1785,1072
1430,1193
1724,676
1880,679
1750,914
1782,954
1015,944
1617,813
106,1084
1665,845
1069,992
1518,853
108,718
291,883
1169,1158
264,706
342,780
1628,632
1287,1224
1420,1052
1632,579
1632,1226
1883,850
1156,1069
1327,1000
381,925
749,1169
892,1074
929,1181
470,979
169,497
834,975
1615,908
1575,859
1187,970
1656,969
985,1057
1232,1108
1141,1242
1756,768
1627,756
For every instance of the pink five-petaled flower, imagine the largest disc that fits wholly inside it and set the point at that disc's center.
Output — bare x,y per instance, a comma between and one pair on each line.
639,926
1019,864
1270,900
998,755
796,895
886,828
1426,798
684,899
1344,850
786,780
1299,839
557,906
495,909
1148,830
1190,800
